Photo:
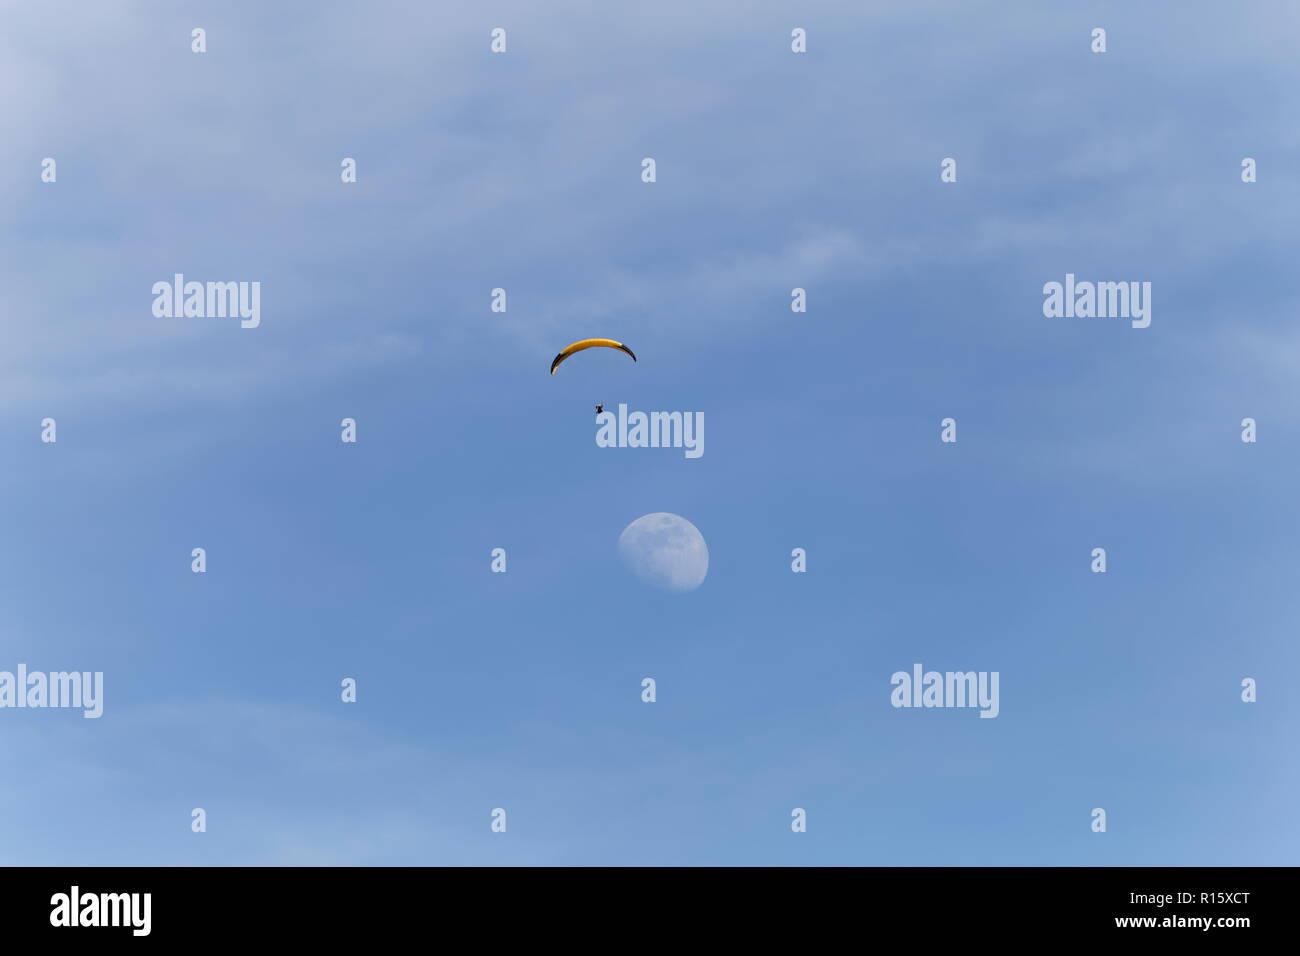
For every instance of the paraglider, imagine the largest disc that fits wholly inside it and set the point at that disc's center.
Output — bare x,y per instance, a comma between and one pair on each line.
588,344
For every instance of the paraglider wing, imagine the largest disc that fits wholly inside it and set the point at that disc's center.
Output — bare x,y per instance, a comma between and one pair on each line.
589,344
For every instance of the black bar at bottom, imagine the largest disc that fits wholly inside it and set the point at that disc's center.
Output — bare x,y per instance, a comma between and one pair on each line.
661,907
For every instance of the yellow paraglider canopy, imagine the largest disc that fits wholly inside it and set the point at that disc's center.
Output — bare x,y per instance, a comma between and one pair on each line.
588,344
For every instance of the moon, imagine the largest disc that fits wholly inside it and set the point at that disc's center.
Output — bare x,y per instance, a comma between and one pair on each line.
666,551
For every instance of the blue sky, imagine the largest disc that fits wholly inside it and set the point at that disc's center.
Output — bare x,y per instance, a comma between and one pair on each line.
522,690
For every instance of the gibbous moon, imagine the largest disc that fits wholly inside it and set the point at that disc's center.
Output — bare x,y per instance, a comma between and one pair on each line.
665,550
